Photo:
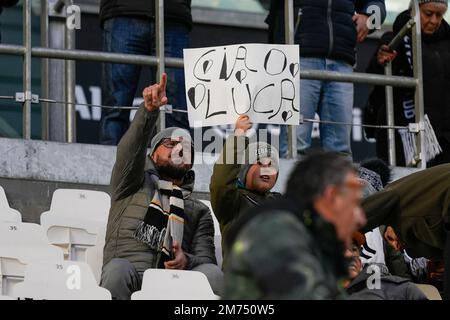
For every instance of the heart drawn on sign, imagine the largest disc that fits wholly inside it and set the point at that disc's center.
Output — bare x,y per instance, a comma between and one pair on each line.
241,75
197,95
207,65
286,115
293,68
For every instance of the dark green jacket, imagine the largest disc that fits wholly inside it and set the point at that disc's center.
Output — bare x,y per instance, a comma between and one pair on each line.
131,193
285,252
229,199
417,207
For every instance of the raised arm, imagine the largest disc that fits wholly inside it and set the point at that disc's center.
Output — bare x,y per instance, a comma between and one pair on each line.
128,171
223,188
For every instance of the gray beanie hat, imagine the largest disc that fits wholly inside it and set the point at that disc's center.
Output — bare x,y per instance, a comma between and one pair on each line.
256,151
173,133
438,1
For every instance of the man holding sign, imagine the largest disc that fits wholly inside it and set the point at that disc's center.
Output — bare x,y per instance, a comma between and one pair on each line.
153,221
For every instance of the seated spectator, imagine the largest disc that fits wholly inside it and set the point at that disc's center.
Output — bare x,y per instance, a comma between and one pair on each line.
436,68
417,207
373,281
238,183
293,248
153,221
379,246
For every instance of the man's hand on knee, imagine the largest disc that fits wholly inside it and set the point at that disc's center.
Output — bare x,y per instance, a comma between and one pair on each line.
180,262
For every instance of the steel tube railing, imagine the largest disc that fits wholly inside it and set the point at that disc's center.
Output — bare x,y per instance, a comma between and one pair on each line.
160,61
26,115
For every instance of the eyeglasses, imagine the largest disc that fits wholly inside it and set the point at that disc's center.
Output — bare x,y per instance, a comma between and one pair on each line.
169,143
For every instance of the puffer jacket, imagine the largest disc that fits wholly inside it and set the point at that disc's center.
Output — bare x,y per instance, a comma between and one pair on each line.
229,199
7,3
174,10
132,191
326,28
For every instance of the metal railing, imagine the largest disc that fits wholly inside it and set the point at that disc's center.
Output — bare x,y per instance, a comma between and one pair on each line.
69,54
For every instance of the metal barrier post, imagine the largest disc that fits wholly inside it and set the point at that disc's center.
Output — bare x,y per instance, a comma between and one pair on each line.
26,116
44,70
289,39
390,117
418,98
70,85
56,79
160,53
390,93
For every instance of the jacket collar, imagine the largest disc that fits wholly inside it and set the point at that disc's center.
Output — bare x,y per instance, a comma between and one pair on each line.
187,186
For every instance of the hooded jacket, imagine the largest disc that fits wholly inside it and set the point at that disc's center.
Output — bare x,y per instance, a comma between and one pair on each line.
131,193
229,197
436,81
418,209
326,28
174,10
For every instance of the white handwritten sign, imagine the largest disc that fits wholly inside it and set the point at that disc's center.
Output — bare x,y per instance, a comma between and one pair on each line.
260,80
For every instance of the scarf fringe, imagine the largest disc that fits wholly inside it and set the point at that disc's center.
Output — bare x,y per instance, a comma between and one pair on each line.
150,235
431,143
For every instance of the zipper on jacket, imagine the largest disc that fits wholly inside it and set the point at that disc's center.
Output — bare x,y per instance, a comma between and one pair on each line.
330,27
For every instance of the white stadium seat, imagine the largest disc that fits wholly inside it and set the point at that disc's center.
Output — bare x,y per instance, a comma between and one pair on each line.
76,222
165,284
217,235
21,244
6,213
67,280
431,292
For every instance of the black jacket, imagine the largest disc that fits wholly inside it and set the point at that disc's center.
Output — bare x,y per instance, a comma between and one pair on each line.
436,84
326,27
7,3
174,10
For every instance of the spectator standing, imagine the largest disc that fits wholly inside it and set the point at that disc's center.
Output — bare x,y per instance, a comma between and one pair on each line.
327,33
129,27
153,221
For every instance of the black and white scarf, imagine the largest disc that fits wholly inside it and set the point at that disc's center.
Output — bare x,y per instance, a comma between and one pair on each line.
164,221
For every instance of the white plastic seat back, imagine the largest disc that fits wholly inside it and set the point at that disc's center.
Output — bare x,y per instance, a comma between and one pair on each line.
7,214
21,244
217,234
76,220
431,292
67,280
93,256
165,284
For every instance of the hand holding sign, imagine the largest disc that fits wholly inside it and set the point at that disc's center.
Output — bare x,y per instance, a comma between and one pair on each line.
155,95
243,124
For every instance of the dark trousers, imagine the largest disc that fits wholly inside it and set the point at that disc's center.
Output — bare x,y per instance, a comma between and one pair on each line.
121,278
120,81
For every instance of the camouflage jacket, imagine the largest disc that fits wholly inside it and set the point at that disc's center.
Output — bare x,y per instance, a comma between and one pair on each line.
285,253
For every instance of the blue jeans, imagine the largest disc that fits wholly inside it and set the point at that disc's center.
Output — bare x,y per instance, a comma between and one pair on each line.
332,101
120,81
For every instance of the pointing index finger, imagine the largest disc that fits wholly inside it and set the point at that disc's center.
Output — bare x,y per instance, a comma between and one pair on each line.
163,82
